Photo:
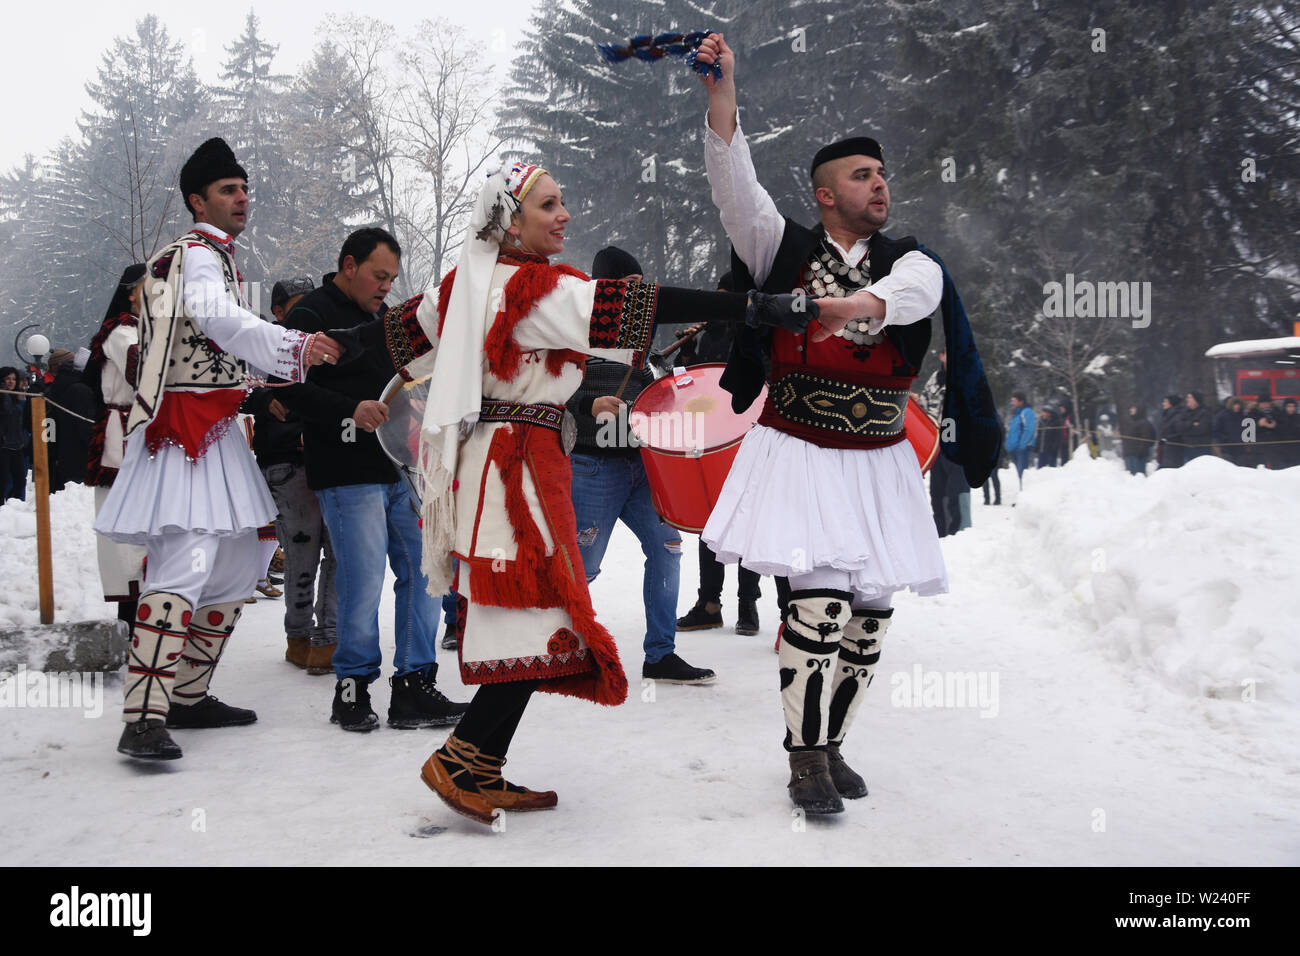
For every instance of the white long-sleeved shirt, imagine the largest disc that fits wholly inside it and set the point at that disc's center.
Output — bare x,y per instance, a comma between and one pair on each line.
912,289
267,348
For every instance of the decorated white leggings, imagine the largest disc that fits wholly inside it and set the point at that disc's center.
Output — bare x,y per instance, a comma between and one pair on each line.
829,649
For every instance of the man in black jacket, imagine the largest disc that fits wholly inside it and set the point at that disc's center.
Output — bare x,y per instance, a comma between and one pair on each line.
1137,440
70,405
1198,427
610,485
368,507
310,601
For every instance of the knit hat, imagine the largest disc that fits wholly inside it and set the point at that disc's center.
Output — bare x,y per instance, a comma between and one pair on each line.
286,289
613,263
212,161
57,358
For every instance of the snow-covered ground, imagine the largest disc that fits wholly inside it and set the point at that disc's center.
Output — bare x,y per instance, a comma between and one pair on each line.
1134,640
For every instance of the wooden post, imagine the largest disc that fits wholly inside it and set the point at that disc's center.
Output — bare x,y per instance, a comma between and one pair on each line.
41,475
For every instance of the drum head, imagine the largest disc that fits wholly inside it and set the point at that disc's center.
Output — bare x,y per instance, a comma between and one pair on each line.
399,437
690,414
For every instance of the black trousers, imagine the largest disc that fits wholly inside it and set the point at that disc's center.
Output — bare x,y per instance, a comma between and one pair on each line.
494,714
947,482
713,575
996,482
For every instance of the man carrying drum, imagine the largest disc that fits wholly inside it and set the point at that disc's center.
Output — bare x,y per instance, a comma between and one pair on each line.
840,494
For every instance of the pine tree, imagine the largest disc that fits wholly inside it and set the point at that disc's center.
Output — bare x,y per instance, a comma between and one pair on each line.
248,112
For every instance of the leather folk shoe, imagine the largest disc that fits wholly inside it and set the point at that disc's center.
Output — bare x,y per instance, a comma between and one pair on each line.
208,712
449,773
847,782
500,792
297,651
148,740
811,789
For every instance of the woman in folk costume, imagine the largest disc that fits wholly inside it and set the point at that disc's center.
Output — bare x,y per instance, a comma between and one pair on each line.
111,371
506,340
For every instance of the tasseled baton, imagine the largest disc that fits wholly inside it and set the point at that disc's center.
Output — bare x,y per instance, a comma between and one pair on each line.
651,48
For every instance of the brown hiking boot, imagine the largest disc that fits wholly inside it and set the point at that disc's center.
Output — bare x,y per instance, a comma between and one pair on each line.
847,783
810,785
448,773
320,659
500,792
298,650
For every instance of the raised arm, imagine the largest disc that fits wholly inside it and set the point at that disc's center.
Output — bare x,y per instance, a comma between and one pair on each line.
748,213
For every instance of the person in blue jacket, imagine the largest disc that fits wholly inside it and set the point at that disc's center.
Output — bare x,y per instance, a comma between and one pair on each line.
1020,434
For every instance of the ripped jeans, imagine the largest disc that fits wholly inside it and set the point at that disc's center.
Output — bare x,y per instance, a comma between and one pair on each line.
611,488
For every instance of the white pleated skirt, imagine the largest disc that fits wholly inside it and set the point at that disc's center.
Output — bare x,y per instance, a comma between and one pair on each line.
221,493
789,507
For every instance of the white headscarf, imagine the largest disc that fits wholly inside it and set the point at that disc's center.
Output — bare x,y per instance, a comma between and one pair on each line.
456,385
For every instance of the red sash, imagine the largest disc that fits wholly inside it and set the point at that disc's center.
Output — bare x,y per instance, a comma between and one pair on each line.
193,420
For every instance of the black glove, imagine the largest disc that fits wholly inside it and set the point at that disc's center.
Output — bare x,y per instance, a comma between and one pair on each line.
351,341
792,311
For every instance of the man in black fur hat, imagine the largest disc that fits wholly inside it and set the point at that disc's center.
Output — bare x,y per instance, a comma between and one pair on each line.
188,487
824,489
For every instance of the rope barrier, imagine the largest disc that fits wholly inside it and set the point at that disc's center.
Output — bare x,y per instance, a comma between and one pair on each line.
48,401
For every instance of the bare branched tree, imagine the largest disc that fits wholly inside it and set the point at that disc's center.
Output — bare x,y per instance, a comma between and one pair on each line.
445,115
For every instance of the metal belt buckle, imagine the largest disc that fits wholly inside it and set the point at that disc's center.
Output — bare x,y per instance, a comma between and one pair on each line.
568,431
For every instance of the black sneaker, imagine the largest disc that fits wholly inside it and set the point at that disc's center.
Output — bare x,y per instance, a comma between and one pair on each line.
148,740
704,615
351,709
416,702
673,670
747,617
208,712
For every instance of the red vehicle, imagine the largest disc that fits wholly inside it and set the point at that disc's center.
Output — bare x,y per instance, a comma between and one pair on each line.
1258,368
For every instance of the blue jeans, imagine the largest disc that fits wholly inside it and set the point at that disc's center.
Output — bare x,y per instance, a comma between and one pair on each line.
609,489
1136,464
367,523
1020,458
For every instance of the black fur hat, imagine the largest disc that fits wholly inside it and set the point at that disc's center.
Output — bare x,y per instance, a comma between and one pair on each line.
212,161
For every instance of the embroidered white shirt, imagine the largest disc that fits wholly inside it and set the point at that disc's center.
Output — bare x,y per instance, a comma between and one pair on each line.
268,348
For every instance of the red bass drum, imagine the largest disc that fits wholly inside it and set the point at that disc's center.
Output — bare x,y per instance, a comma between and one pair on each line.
690,436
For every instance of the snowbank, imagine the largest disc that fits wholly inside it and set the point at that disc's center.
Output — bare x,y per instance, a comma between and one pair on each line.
1187,575
77,594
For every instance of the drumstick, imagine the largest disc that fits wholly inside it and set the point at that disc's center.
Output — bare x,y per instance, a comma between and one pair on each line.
388,399
623,384
680,342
